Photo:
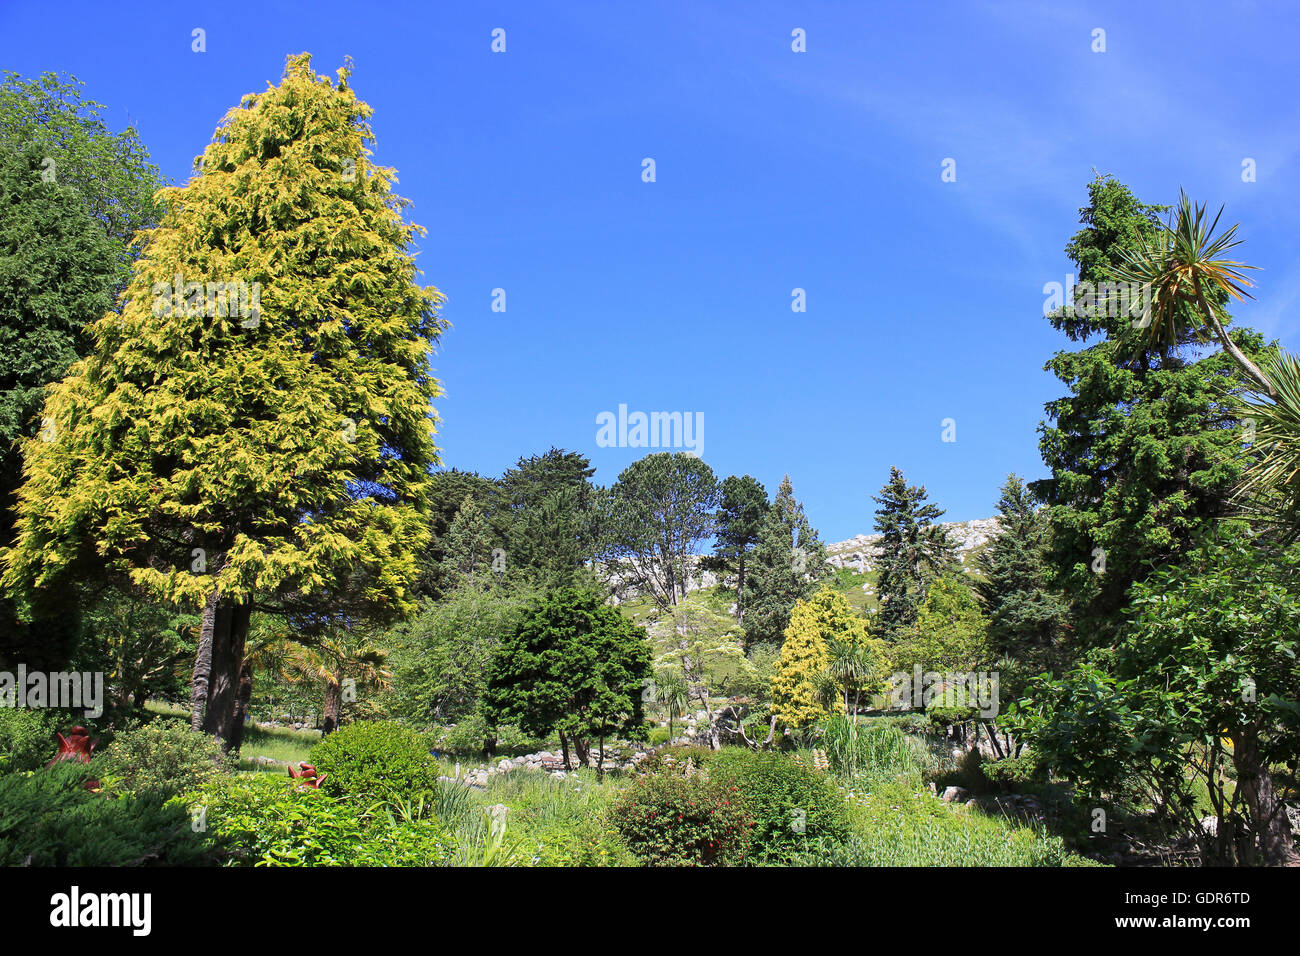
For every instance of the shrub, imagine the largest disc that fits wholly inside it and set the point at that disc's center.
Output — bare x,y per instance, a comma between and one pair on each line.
26,738
49,819
375,760
162,755
1012,773
789,804
658,735
263,820
672,820
675,759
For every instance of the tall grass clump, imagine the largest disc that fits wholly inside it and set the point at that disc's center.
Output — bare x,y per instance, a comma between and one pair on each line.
874,749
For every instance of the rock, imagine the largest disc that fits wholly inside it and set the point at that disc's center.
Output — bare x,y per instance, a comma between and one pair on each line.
955,794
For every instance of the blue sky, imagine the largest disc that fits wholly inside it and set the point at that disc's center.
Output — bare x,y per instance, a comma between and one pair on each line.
775,170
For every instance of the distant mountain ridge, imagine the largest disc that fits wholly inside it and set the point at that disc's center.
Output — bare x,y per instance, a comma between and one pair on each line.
859,553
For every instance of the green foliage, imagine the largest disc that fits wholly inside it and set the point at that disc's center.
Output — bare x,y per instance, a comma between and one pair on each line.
162,755
27,738
292,445
659,509
698,655
1026,618
915,551
143,647
1144,450
50,819
950,633
558,822
1202,682
897,826
781,797
677,820
573,665
375,760
468,547
874,749
470,734
546,510
739,522
440,657
59,271
447,493
786,565
110,172
264,820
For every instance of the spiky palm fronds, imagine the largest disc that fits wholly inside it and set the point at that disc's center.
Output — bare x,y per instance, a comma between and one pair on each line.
1185,271
1275,475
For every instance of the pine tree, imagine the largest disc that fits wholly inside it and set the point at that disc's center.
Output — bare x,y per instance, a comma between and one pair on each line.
447,492
1026,617
915,551
739,523
659,510
261,435
1145,449
786,564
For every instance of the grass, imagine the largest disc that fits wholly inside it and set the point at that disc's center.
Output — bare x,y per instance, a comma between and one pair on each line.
278,743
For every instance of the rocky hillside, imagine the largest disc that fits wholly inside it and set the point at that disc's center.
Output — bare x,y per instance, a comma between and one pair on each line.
860,553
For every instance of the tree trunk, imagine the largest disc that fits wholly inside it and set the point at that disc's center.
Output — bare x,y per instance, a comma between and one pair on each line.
583,749
333,705
1268,813
203,663
564,749
740,587
1246,365
241,705
217,667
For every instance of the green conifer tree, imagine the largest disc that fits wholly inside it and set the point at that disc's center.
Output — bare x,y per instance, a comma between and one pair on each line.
255,428
914,549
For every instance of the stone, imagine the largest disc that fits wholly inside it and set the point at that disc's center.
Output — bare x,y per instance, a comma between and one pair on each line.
955,794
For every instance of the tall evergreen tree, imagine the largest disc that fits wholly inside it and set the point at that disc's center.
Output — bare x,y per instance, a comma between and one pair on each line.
1026,617
72,195
573,666
469,546
447,492
546,512
915,551
1144,450
234,457
739,522
786,565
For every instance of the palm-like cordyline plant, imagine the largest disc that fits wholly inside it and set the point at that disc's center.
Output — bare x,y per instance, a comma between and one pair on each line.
338,653
1184,270
1277,433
